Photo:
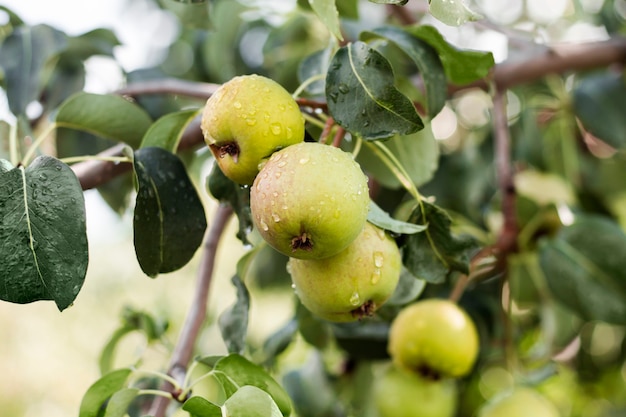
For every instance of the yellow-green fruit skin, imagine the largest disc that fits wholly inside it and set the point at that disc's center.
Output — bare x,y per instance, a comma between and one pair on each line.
401,393
313,194
353,283
520,402
257,114
434,336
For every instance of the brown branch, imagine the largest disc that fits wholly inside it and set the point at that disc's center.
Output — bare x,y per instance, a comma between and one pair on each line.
183,351
557,60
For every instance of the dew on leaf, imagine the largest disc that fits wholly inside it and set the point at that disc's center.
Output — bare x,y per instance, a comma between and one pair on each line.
343,88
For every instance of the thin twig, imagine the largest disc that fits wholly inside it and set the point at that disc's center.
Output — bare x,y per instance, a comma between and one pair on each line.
183,351
169,86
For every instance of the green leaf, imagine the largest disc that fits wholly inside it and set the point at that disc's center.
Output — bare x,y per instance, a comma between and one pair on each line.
425,58
100,391
199,407
23,57
452,12
599,103
42,229
363,340
585,266
233,322
191,13
109,116
227,191
417,153
382,219
167,130
245,373
169,220
313,330
396,2
314,65
408,289
461,66
278,341
362,98
96,42
327,12
431,255
250,401
119,402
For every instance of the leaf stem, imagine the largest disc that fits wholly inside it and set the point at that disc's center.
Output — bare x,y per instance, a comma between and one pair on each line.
390,160
157,392
37,143
307,83
73,159
140,373
13,150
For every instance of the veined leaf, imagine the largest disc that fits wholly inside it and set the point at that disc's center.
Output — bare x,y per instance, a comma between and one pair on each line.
42,233
101,390
169,219
426,59
326,10
23,56
461,66
431,255
362,97
452,12
167,131
585,266
109,116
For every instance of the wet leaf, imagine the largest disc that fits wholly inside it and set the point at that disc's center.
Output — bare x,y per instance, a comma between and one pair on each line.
452,12
362,97
43,233
431,255
109,116
425,58
585,266
314,65
169,219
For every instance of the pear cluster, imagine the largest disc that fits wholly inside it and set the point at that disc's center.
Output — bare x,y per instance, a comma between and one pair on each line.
309,201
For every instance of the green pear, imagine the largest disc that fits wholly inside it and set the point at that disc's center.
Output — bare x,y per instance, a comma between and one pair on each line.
352,284
246,120
519,402
310,200
434,337
401,393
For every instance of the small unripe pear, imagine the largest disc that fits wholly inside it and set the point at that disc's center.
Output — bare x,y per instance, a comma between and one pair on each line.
519,402
352,284
310,200
401,393
246,120
434,337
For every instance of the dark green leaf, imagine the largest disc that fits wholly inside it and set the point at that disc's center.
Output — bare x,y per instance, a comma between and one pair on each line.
461,66
363,340
599,103
314,65
199,407
119,402
432,254
250,401
425,58
167,130
14,19
100,391
227,191
42,229
585,266
327,12
243,372
362,98
407,290
452,12
109,116
23,56
233,322
314,330
382,219
67,78
417,153
169,220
